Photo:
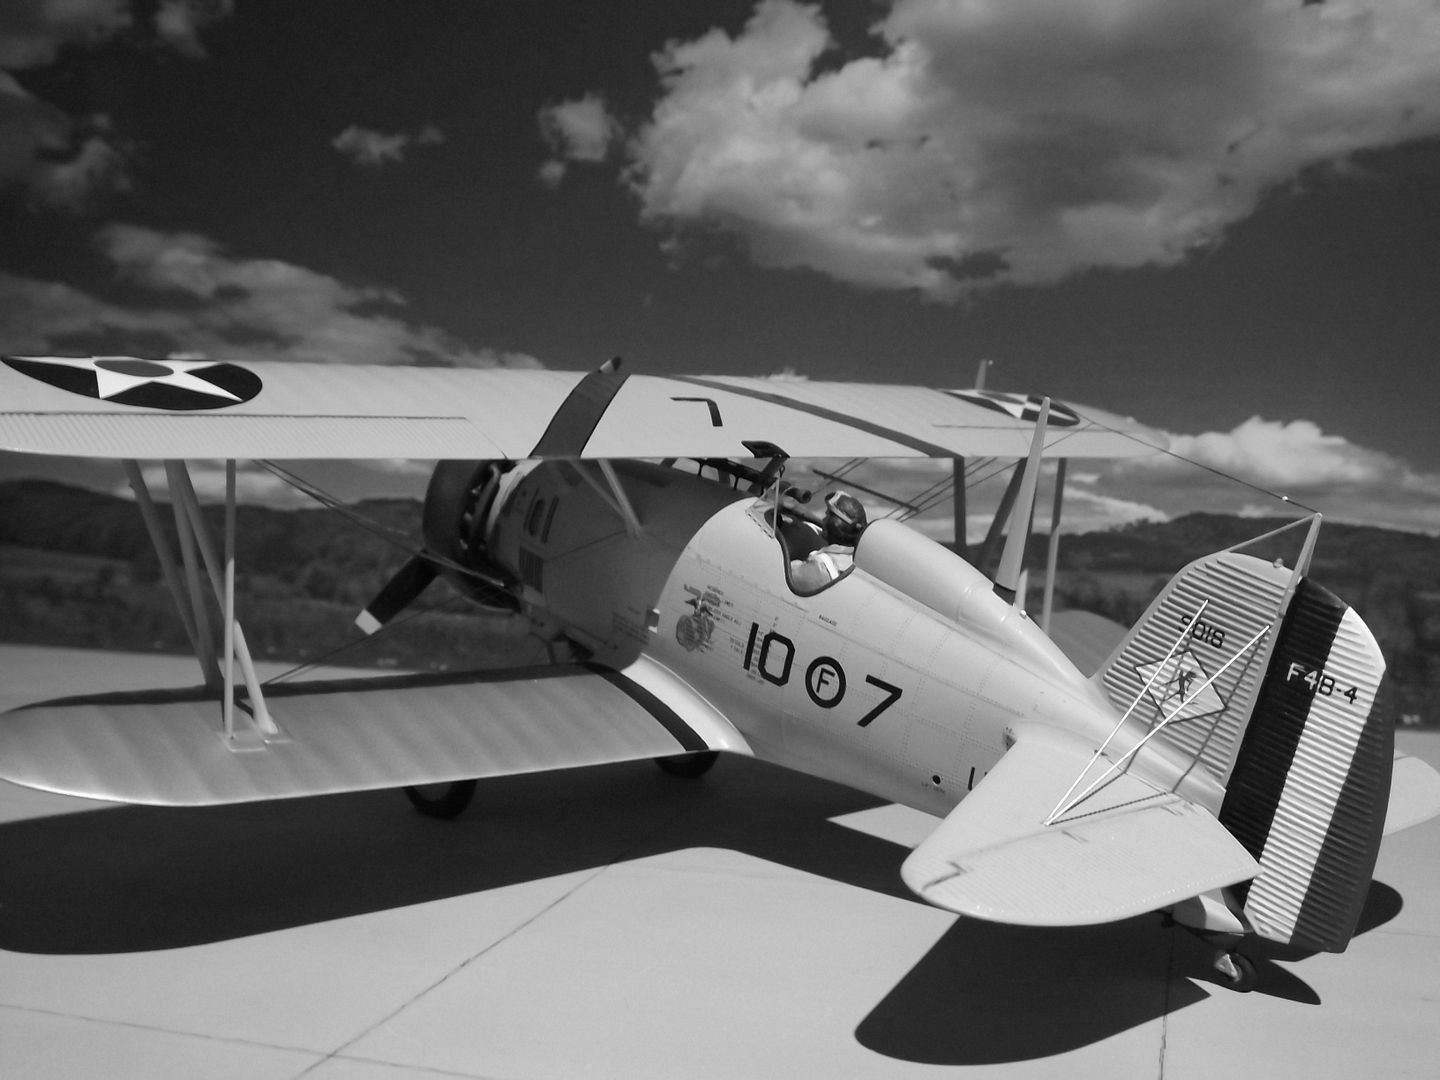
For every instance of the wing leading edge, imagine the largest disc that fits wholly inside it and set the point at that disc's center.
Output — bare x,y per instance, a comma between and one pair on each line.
1129,849
125,407
165,748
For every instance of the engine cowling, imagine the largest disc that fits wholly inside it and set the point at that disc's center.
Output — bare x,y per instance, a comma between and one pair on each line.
458,510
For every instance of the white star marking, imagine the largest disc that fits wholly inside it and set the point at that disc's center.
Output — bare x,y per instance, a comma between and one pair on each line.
117,374
1180,678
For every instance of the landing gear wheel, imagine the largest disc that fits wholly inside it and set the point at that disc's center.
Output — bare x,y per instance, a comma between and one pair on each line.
688,766
1237,971
442,800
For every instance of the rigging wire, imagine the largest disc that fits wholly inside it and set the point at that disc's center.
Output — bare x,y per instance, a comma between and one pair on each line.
346,646
1258,488
391,536
384,532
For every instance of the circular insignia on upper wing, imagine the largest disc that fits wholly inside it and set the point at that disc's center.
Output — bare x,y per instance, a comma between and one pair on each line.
1021,406
175,385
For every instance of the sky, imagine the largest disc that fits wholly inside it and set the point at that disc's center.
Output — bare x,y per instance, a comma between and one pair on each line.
1222,219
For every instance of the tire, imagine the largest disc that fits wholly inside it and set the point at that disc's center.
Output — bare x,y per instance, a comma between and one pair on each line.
688,766
442,801
1243,977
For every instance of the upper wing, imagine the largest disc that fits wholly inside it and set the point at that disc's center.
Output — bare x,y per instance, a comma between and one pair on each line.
130,408
1128,849
165,748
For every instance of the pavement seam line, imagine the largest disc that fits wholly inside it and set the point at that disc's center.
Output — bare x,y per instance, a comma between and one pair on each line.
340,1050
1169,1003
181,1032
623,856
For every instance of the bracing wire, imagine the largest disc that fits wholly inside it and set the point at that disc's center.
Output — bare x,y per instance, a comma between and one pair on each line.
375,528
1258,488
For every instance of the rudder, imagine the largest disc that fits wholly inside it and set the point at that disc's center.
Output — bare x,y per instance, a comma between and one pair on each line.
1310,786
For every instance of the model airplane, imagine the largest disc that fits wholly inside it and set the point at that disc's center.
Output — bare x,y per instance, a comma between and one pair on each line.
1227,762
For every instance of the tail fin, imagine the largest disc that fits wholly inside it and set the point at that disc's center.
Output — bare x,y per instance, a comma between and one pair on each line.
1311,783
1218,603
1291,730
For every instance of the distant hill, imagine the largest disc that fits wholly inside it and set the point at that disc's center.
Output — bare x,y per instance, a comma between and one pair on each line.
76,567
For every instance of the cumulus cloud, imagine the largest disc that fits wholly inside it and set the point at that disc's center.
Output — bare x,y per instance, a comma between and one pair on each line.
1020,140
201,299
178,23
66,159
1296,460
1297,454
581,130
1230,472
61,161
375,148
32,32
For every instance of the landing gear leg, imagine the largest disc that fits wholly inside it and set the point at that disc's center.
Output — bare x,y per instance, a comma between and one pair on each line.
442,800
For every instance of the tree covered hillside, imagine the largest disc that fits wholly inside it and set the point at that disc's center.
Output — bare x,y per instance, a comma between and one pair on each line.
76,567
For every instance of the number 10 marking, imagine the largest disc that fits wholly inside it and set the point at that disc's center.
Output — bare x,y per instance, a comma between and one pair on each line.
824,677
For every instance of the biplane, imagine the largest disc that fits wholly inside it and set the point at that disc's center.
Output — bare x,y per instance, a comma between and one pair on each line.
1229,762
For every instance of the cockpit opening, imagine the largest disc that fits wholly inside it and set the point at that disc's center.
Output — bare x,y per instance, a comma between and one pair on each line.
818,549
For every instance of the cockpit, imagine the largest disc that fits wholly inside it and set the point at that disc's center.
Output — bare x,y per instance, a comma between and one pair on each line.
815,538
817,547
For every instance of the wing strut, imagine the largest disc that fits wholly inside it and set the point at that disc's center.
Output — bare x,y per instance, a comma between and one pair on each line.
613,494
1052,557
198,631
1007,577
193,534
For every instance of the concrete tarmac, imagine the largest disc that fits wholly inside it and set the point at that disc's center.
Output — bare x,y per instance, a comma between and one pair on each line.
618,922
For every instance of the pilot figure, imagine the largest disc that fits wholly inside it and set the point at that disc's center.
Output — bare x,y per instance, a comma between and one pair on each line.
832,549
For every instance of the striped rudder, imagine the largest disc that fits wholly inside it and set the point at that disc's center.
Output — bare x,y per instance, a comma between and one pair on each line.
1310,785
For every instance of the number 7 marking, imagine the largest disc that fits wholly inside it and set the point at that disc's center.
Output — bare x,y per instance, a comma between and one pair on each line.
894,693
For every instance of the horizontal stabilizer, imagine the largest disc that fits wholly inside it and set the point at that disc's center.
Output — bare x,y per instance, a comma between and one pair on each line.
1414,794
167,748
1126,849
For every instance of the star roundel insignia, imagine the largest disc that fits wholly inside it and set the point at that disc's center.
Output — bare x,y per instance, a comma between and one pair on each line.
1021,406
1181,686
175,385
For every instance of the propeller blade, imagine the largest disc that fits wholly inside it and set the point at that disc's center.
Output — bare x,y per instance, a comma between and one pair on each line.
402,589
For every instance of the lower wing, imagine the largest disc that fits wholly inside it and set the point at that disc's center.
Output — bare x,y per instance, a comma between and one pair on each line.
166,748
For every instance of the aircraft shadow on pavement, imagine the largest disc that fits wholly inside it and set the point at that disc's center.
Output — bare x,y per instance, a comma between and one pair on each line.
133,879
987,994
991,994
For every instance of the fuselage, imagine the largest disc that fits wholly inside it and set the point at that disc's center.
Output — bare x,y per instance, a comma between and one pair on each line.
909,697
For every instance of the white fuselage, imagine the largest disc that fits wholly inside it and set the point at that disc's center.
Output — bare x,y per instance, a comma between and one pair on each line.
861,683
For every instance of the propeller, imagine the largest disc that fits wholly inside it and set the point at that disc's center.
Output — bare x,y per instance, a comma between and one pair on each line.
399,592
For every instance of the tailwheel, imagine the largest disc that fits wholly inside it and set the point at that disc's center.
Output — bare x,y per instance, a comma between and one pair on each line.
1237,970
441,800
688,766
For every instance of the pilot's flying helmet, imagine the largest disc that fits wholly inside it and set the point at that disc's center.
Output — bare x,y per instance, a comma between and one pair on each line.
848,515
